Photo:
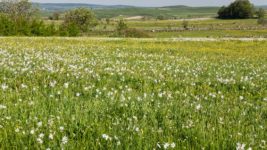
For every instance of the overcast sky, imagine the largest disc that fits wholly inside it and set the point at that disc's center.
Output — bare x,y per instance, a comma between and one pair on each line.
153,2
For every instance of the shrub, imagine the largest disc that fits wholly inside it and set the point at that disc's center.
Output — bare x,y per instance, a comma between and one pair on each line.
132,32
69,30
7,26
37,27
185,25
55,16
160,17
81,18
51,30
262,21
22,26
121,26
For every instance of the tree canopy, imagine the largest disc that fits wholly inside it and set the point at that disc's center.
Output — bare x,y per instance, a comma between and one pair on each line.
239,9
18,8
83,18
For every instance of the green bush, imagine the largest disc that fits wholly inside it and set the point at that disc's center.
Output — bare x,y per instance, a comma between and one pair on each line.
262,21
185,25
160,17
51,30
121,26
7,26
37,28
133,33
69,30
23,27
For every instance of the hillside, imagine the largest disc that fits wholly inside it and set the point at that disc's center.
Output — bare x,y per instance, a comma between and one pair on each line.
111,11
166,12
66,6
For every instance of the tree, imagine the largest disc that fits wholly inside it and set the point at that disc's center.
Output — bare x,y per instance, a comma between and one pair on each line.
260,13
18,8
108,21
121,26
82,18
185,25
160,17
55,16
261,17
239,9
223,12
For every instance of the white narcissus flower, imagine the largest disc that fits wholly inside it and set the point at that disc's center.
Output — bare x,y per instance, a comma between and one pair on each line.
41,135
105,136
24,86
173,145
240,146
78,94
66,85
17,130
32,131
53,83
4,86
64,140
61,128
39,140
2,107
198,107
166,145
51,136
39,124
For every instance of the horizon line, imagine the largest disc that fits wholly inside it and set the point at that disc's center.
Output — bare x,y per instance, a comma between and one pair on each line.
133,5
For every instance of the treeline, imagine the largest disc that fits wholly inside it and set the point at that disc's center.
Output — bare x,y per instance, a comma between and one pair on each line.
23,26
21,18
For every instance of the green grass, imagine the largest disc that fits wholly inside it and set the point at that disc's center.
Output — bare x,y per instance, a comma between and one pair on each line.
167,12
132,94
201,28
165,24
215,23
213,34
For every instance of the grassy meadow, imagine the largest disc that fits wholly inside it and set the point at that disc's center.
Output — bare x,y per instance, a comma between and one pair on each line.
92,93
167,12
204,27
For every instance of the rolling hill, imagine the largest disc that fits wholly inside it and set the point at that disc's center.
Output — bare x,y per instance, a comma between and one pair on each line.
111,11
66,6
